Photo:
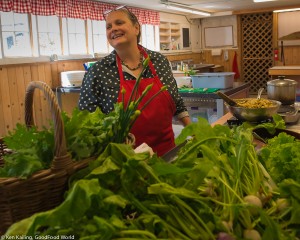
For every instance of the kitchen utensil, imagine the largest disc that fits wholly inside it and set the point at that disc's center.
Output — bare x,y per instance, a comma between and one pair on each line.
227,99
292,116
253,114
259,93
283,90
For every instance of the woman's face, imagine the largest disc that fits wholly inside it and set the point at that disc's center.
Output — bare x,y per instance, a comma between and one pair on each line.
120,31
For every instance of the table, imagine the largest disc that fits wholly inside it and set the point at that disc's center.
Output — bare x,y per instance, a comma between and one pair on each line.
62,90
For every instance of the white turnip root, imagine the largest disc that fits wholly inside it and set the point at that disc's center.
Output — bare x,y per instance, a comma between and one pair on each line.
251,234
282,204
253,200
224,236
227,225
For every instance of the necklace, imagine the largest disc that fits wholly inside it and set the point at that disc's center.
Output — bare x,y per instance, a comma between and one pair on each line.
134,68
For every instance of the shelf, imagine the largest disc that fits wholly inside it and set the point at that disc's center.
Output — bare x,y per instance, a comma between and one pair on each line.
170,34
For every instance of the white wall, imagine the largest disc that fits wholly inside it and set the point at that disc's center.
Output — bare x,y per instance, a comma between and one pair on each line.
197,27
220,22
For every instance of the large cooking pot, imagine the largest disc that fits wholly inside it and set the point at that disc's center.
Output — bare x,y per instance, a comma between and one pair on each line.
282,90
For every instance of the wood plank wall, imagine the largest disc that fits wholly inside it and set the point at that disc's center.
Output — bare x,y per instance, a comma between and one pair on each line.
15,78
13,82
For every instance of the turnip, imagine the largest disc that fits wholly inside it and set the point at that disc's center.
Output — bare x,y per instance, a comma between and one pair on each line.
282,204
251,234
253,200
227,225
224,236
254,204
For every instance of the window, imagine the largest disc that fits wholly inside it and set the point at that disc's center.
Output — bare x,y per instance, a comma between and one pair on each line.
49,35
25,35
148,38
76,36
15,35
99,37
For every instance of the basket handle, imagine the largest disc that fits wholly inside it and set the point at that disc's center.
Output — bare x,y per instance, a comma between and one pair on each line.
62,158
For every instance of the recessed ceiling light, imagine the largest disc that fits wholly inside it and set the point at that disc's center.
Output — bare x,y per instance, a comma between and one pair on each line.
189,10
263,1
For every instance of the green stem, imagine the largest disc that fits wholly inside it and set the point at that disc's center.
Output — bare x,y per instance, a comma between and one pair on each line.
183,224
150,100
189,209
197,144
137,83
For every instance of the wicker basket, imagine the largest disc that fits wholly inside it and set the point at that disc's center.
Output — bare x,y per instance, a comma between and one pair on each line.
44,190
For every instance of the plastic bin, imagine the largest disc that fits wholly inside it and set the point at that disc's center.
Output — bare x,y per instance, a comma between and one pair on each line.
183,81
213,80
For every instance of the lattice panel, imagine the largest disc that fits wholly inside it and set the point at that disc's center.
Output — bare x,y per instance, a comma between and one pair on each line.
257,49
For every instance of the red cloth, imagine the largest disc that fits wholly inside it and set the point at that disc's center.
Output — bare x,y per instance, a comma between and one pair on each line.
81,9
235,67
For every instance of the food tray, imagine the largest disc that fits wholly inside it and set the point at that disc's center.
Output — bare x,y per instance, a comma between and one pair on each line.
219,80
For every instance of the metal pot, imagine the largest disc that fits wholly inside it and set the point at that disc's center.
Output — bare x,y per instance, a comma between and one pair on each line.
282,90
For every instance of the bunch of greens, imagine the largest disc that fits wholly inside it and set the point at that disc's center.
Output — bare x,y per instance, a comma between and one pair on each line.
32,151
282,157
216,188
124,195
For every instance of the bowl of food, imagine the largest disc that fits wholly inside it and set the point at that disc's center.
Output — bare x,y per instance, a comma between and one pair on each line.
253,109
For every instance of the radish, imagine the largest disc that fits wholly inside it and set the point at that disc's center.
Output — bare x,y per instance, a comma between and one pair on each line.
251,234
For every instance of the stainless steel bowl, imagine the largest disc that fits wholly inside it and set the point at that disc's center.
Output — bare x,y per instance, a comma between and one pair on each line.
253,114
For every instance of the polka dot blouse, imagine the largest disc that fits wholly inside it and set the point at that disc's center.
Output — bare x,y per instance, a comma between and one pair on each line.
101,84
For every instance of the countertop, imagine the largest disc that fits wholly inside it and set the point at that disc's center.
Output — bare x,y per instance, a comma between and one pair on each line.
237,86
284,70
223,120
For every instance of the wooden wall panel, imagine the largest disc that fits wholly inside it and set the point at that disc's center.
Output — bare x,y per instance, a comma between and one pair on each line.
14,80
291,56
6,103
21,89
13,93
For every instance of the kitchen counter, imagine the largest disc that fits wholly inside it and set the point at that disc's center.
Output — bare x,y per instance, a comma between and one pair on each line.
212,100
201,100
284,70
223,120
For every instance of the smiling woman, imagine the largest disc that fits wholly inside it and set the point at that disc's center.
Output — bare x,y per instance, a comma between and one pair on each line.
113,78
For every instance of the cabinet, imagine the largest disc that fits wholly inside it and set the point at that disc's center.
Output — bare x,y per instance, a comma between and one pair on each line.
170,35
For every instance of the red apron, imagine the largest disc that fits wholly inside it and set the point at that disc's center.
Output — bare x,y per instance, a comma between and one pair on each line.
154,125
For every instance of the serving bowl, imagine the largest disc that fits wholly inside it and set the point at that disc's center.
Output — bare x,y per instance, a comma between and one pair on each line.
255,113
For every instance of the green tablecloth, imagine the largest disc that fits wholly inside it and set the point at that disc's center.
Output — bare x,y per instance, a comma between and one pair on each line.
198,90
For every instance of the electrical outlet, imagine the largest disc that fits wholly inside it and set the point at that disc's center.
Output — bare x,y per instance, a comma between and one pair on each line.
226,55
